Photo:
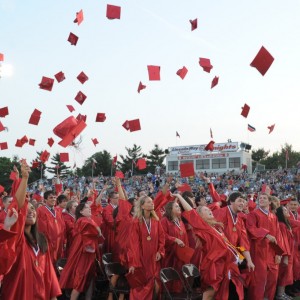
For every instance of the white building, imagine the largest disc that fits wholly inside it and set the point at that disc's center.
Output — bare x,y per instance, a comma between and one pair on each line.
225,157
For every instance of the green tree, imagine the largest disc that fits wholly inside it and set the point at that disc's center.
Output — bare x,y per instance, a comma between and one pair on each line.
259,154
38,169
155,158
103,165
129,160
6,166
58,167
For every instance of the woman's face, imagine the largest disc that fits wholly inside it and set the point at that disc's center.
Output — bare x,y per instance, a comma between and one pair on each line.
31,215
148,204
285,212
205,213
73,208
176,211
86,211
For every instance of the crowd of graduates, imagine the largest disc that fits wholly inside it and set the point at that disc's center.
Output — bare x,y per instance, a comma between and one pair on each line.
246,246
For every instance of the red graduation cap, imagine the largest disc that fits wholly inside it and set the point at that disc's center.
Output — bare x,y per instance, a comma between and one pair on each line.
1,57
209,146
245,110
184,187
134,125
100,117
95,141
82,77
141,164
182,72
214,82
285,201
68,130
13,175
24,139
194,24
119,174
113,12
1,127
271,128
44,156
19,143
141,87
81,117
35,117
137,279
46,83
31,142
50,142
70,108
79,17
184,253
3,112
60,76
187,169
126,125
35,164
80,97
262,61
154,72
64,157
205,64
3,146
73,39
1,190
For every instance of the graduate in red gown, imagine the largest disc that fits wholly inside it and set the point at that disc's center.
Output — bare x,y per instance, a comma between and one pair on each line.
52,225
146,248
219,257
32,275
176,236
80,269
266,246
61,202
285,276
69,219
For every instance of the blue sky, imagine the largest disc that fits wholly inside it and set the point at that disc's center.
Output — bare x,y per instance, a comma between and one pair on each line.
115,54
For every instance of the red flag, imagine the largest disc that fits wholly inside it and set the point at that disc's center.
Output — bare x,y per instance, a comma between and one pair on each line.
115,159
177,134
211,134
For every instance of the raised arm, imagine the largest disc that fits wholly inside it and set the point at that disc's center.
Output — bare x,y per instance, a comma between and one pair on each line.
184,204
120,189
21,191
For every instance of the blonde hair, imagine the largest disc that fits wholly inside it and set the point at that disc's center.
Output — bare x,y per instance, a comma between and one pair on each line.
139,212
212,222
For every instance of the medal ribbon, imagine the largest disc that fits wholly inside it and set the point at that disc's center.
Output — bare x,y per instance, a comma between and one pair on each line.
148,227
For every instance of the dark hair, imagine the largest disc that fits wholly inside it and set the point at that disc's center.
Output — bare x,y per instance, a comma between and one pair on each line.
282,218
168,210
61,198
5,198
47,194
186,195
233,196
36,237
78,210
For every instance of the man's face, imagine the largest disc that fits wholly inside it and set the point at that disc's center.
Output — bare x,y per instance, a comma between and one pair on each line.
8,202
238,205
51,200
293,206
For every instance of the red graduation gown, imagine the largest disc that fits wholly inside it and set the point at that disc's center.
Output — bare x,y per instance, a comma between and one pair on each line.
296,260
218,262
32,275
142,255
264,278
53,227
108,229
80,267
69,225
3,214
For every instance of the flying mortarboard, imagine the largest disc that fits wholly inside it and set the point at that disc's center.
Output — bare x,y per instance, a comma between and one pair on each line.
50,142
24,139
154,72
113,12
80,97
134,125
184,187
35,117
44,156
141,87
3,112
73,39
64,157
205,64
194,24
262,61
245,110
209,146
187,169
79,17
60,76
35,164
182,72
46,83
1,57
271,128
31,142
19,143
70,108
141,164
100,117
126,125
82,77
3,146
214,82
95,141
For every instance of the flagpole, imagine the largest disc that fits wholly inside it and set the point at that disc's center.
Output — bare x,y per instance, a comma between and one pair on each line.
111,167
92,169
